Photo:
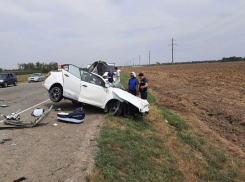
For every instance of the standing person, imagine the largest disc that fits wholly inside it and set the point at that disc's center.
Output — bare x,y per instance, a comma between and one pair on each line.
117,74
133,84
143,86
110,76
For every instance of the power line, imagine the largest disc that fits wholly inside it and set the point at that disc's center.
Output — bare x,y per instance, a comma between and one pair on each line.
211,43
222,25
217,37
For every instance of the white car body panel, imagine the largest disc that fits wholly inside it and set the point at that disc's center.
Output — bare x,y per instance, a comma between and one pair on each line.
92,94
143,105
89,93
71,88
55,77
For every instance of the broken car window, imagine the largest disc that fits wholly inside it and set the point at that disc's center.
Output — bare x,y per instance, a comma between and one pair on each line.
95,80
75,71
117,85
85,76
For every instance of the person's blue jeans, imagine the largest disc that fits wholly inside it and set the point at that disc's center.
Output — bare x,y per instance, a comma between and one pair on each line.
143,95
132,92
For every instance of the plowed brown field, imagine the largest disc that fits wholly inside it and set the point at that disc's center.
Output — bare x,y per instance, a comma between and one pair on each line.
208,96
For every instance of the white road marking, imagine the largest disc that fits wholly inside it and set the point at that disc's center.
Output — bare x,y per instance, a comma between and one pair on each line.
31,107
34,106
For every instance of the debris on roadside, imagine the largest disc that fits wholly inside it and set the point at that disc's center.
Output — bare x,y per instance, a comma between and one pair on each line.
13,144
55,124
5,140
38,112
13,120
77,116
166,121
4,105
58,109
20,179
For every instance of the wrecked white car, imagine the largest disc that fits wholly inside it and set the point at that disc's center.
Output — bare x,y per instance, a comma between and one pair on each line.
82,86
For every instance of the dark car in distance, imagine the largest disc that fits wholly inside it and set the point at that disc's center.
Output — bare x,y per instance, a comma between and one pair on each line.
8,79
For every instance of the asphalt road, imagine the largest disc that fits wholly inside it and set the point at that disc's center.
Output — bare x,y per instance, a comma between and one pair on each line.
22,97
61,152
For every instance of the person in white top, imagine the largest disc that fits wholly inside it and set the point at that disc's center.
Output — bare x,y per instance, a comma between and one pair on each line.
117,74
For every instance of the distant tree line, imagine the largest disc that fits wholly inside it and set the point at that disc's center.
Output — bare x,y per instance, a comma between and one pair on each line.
38,66
29,68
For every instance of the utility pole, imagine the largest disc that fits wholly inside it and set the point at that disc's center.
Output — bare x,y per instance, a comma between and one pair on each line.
139,60
173,50
133,61
149,57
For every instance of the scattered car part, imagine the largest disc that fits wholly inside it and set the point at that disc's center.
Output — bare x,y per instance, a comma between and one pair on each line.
5,140
38,112
4,105
20,124
98,67
20,179
77,116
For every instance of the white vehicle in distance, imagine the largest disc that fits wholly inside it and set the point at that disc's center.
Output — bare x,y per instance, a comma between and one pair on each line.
81,86
36,77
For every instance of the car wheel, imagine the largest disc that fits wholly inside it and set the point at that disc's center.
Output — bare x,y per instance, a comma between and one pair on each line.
116,108
55,94
5,85
15,83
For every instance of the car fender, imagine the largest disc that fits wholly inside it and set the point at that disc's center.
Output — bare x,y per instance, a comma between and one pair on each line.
142,105
54,78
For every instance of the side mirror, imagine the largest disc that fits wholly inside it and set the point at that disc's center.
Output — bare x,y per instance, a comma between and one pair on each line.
107,85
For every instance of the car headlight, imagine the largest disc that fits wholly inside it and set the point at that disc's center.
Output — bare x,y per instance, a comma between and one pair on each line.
1,80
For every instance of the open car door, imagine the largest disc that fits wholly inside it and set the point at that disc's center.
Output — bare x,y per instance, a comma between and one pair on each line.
72,82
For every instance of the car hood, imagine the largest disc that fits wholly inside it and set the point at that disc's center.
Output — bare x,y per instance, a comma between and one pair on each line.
143,105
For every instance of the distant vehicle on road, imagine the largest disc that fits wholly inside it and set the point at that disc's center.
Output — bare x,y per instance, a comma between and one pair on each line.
8,79
36,77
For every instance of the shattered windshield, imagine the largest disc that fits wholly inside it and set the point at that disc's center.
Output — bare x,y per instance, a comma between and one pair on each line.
117,85
2,76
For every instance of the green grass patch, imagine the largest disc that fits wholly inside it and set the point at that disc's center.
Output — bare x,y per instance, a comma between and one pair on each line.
133,154
175,120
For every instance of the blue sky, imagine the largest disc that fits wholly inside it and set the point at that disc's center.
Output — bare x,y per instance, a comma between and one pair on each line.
81,32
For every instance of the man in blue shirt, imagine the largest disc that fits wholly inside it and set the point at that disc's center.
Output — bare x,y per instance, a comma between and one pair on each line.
143,86
133,84
110,76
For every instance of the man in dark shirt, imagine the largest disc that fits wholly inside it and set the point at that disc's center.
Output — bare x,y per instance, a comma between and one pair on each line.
143,86
110,76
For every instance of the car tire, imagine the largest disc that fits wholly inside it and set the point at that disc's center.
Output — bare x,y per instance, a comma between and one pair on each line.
5,85
116,108
15,83
55,94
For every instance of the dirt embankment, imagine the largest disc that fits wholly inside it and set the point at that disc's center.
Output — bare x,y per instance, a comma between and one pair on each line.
212,95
